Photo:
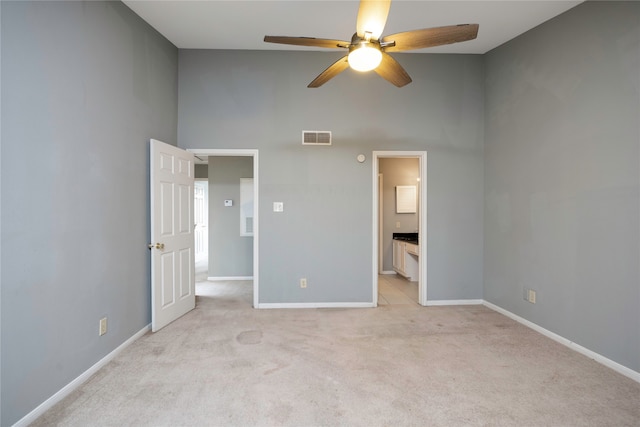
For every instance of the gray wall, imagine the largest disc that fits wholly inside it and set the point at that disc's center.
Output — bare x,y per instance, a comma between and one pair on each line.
562,177
397,172
84,87
258,99
230,255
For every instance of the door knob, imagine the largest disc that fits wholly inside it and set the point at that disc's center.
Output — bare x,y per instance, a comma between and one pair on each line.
157,246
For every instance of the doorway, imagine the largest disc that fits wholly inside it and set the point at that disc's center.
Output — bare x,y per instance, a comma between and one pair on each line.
202,153
201,226
378,218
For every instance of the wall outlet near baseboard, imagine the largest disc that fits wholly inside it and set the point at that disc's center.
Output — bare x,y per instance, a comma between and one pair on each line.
303,282
103,326
530,295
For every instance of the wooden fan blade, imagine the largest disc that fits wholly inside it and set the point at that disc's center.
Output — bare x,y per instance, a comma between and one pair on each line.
334,69
430,37
307,41
390,70
372,17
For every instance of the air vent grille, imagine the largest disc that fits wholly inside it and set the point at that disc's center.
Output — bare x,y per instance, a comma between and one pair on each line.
316,137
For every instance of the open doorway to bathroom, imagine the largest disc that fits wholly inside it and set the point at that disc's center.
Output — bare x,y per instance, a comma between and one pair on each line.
400,226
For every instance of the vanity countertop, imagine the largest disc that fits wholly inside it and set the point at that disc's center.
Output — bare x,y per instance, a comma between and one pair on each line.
407,237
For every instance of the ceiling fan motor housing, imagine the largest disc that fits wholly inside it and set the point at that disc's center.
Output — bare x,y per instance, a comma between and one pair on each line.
358,42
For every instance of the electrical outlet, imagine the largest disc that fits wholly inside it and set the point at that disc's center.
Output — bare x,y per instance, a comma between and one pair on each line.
103,326
303,282
398,224
532,296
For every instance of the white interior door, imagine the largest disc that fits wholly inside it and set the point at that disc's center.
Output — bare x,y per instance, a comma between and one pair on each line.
172,244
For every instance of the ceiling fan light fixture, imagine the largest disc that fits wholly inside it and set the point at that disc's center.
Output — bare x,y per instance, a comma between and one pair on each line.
365,57
369,51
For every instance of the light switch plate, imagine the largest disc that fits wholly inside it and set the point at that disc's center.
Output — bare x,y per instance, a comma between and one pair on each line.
228,203
278,207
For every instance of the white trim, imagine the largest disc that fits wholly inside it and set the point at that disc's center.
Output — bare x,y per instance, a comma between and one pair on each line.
435,303
621,369
388,272
256,203
228,278
222,151
380,221
317,305
422,223
73,385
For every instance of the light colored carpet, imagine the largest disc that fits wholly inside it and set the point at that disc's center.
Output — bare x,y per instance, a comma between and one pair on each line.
227,364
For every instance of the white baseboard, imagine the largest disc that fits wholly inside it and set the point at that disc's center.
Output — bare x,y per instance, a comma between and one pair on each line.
317,305
388,272
454,302
222,278
621,369
69,388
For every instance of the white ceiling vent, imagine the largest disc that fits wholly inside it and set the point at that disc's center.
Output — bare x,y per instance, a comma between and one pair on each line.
316,137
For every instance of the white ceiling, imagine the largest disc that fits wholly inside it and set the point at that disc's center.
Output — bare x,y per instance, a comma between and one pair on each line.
241,24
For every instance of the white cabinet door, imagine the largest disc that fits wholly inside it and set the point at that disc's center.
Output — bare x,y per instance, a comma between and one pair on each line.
398,256
172,243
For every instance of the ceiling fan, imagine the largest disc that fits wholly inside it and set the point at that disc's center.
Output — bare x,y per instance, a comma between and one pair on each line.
368,51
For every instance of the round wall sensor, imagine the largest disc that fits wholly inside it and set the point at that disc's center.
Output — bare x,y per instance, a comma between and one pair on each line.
361,158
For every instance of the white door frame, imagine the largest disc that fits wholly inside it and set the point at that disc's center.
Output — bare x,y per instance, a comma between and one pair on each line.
214,152
422,220
380,223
